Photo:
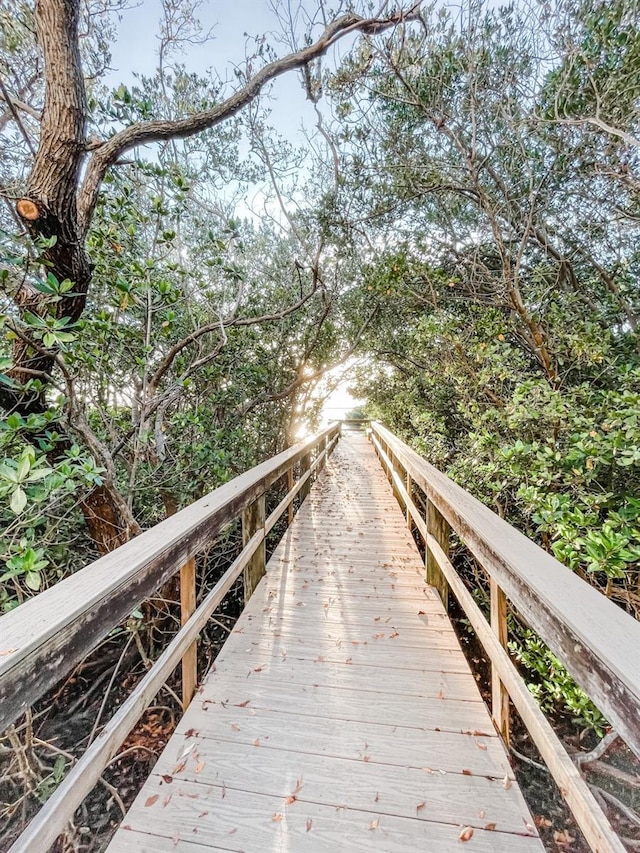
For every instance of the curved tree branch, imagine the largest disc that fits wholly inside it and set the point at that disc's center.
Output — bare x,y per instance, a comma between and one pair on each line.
106,154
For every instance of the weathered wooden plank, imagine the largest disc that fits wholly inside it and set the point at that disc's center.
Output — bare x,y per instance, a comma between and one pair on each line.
322,635
196,818
383,789
381,679
384,744
439,660
597,642
345,704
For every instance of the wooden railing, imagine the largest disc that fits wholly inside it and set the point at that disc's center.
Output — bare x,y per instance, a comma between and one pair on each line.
598,643
48,635
354,424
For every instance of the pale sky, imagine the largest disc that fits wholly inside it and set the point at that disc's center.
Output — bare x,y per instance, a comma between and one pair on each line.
136,50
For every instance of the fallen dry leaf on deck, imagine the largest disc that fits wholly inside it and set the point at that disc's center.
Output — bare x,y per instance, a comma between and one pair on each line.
309,824
243,704
466,834
466,772
191,733
481,745
506,783
7,651
199,766
490,826
168,779
277,817
563,838
374,823
290,800
235,727
150,801
256,742
420,806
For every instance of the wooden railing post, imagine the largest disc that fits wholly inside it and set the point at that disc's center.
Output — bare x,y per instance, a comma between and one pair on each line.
253,519
324,444
305,464
396,468
187,606
438,527
409,485
289,487
499,695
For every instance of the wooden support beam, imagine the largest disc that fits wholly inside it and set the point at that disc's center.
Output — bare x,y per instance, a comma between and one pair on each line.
499,695
253,519
439,528
305,464
289,487
187,607
322,447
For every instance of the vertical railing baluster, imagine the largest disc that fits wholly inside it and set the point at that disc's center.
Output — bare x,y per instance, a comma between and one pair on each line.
438,527
253,519
305,464
289,487
499,695
409,486
187,606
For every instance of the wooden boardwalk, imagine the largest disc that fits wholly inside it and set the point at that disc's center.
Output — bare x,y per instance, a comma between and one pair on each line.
341,714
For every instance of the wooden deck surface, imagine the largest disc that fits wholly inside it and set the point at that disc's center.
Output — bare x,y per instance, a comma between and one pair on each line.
341,714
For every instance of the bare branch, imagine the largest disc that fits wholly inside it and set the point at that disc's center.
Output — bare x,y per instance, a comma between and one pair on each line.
153,131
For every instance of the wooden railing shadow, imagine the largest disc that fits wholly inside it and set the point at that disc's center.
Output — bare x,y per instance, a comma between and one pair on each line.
44,638
597,642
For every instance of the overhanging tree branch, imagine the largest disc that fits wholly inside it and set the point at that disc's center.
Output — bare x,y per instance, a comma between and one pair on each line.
106,154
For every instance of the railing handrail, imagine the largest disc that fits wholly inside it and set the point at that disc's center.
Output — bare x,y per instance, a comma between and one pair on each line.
46,636
595,640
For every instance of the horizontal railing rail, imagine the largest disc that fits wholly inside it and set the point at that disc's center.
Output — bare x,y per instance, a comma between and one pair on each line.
48,635
597,642
354,424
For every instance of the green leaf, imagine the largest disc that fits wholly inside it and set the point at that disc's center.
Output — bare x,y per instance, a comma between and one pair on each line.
33,580
23,467
18,501
38,474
